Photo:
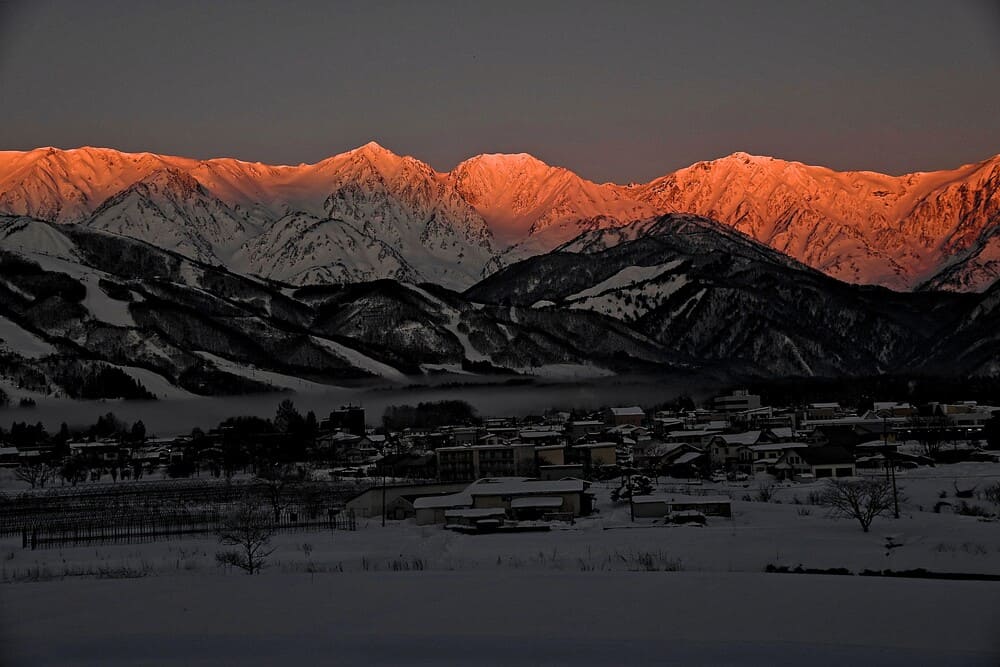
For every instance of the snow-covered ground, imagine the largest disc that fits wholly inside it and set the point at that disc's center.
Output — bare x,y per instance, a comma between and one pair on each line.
604,590
486,618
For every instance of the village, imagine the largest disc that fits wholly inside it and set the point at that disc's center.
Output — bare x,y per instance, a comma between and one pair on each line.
736,502
441,465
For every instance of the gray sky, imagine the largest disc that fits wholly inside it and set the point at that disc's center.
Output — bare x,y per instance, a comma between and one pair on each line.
614,90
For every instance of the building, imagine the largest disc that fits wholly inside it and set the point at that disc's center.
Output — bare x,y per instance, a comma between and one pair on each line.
819,462
763,458
893,409
542,435
595,454
550,455
550,472
515,496
414,465
347,418
826,410
583,428
724,448
368,503
102,450
740,400
628,416
660,455
686,464
470,462
504,492
9,457
659,506
699,437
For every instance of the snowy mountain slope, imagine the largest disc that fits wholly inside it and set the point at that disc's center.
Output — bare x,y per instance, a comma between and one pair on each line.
972,343
521,197
67,186
972,269
171,210
674,293
303,249
15,339
405,204
209,209
27,235
110,301
708,293
860,227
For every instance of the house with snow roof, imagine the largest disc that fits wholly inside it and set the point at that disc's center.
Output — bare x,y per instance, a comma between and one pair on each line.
724,448
762,458
818,462
823,410
583,428
626,416
515,496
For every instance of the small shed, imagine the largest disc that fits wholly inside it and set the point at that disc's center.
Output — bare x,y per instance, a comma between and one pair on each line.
534,507
659,506
474,519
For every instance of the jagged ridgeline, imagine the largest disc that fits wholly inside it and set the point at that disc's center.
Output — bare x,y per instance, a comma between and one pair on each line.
130,275
369,213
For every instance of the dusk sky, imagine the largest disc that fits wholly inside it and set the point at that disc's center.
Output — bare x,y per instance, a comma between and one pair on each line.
614,91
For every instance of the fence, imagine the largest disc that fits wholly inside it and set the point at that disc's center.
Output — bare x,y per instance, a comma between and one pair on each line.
144,511
153,528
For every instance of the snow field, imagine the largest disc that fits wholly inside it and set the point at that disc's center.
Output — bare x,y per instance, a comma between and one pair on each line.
602,591
465,618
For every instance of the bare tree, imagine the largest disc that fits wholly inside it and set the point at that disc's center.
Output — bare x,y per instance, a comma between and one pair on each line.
858,499
765,492
35,474
277,482
248,527
991,494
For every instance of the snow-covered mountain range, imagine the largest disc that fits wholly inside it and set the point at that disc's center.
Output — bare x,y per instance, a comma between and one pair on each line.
84,313
370,213
90,314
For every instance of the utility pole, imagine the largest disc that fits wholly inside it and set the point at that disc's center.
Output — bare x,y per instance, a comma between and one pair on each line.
895,493
631,497
890,467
